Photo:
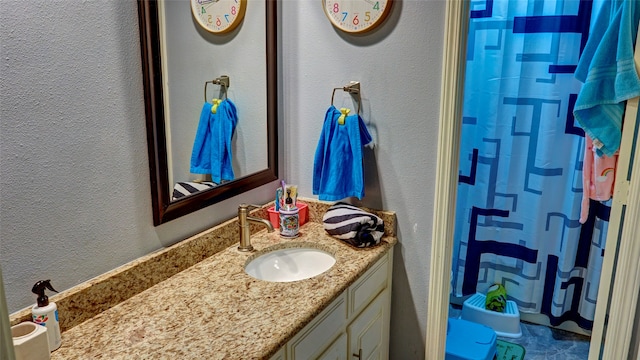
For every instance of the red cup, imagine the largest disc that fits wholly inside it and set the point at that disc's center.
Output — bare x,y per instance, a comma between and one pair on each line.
274,216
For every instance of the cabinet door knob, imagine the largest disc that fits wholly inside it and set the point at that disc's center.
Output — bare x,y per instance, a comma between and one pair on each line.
359,354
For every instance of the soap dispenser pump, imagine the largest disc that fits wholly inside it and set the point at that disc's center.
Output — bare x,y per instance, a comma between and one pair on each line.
45,313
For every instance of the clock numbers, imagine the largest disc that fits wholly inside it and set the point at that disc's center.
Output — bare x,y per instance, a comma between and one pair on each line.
356,16
218,16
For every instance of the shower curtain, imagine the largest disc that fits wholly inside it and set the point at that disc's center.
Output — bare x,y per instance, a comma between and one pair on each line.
520,182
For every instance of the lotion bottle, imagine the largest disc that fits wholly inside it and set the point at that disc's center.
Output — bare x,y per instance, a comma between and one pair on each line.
45,313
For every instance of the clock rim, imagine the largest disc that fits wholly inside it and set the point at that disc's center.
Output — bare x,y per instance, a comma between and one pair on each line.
234,24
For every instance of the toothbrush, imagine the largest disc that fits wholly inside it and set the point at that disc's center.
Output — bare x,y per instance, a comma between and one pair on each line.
278,197
284,189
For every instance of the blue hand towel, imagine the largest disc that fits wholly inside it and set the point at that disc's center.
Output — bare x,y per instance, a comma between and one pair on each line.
607,69
212,153
338,164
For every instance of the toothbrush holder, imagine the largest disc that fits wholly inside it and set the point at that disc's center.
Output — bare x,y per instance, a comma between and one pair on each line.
303,214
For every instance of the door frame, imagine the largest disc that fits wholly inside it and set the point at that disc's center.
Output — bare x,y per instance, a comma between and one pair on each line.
626,279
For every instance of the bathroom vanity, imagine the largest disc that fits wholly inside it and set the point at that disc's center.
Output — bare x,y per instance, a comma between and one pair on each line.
213,309
353,326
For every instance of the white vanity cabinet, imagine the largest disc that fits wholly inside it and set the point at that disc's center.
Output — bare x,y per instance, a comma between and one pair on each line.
354,326
369,332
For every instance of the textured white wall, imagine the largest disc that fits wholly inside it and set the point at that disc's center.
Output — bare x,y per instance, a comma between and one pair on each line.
399,67
74,190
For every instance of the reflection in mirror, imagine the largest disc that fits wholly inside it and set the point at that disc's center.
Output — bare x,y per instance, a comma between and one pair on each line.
179,57
192,57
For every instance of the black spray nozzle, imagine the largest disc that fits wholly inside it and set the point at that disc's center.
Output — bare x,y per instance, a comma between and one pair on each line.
39,288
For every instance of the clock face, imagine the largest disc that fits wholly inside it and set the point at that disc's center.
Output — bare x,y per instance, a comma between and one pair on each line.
218,16
356,16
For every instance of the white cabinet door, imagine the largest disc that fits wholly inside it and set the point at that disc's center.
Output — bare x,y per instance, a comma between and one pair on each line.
279,355
319,334
337,350
357,322
368,333
367,287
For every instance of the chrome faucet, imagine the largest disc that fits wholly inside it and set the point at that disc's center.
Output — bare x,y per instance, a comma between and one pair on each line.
243,222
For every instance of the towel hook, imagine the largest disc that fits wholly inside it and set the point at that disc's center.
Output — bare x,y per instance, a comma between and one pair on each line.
223,81
352,88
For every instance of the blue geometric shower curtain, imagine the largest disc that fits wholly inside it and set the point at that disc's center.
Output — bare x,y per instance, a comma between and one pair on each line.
520,183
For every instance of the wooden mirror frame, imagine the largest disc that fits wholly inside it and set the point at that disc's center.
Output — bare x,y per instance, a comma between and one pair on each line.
164,209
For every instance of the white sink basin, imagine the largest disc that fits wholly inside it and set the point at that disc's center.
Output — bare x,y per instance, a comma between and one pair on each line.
290,264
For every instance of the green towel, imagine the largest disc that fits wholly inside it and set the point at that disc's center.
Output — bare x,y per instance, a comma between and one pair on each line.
496,298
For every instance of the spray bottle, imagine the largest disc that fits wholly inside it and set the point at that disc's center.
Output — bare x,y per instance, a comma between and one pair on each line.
45,313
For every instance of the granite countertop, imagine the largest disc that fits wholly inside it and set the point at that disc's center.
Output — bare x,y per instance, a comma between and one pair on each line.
214,310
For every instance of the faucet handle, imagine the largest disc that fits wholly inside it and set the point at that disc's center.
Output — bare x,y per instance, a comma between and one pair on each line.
243,209
248,206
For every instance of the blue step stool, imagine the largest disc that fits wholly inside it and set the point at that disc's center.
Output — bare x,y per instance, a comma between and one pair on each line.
467,340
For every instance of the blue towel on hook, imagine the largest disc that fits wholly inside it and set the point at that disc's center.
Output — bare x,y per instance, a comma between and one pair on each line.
338,164
211,152
607,69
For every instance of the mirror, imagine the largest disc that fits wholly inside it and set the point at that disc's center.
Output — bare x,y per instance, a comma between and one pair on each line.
171,122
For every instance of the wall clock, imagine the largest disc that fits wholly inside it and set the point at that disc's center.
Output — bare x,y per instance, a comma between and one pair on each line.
356,16
218,16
